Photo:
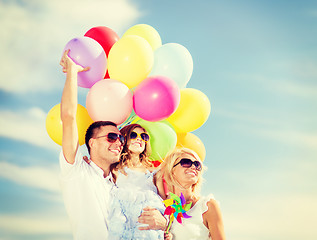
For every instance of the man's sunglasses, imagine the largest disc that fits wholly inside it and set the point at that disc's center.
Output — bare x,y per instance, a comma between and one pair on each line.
144,136
112,137
187,163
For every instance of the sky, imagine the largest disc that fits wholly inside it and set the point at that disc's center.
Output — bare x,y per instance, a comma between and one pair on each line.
255,60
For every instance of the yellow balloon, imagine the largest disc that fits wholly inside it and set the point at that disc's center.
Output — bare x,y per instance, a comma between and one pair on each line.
191,141
54,125
130,60
147,32
192,112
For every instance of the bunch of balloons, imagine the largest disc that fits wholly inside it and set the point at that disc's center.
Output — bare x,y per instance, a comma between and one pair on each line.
137,79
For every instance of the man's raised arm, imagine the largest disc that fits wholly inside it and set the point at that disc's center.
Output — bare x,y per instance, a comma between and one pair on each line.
69,107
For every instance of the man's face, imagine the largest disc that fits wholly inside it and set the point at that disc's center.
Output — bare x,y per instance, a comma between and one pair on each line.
103,148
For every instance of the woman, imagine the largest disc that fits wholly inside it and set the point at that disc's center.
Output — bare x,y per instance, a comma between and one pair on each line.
181,172
134,178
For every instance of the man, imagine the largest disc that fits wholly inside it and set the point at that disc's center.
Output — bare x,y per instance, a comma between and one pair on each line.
86,186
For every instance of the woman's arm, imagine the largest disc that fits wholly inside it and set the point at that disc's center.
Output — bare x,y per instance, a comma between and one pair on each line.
213,220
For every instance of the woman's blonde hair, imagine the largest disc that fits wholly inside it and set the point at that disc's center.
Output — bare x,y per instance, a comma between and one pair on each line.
166,170
126,153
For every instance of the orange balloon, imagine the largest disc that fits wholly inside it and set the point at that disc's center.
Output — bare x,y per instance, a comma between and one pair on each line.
54,125
191,141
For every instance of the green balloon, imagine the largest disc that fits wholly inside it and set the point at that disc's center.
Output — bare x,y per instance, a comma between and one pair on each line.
163,138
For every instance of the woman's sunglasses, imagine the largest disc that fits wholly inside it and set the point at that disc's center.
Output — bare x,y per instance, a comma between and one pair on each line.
187,163
144,136
112,137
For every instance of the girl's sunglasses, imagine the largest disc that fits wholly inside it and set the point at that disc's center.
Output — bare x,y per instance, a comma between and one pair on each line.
144,136
187,163
112,137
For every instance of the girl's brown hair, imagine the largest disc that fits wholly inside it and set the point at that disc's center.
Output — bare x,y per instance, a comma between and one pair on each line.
126,153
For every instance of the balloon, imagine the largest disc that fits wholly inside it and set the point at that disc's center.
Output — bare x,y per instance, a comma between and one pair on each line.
162,138
105,36
156,98
174,61
88,53
147,32
191,141
109,100
130,60
54,125
192,112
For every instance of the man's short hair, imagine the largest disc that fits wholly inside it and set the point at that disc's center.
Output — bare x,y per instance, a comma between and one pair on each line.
91,130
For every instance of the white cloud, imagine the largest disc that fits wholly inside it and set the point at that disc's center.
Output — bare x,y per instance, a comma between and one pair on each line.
35,33
277,216
35,177
35,224
28,126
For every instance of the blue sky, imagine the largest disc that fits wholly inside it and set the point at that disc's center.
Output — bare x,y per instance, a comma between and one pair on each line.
255,60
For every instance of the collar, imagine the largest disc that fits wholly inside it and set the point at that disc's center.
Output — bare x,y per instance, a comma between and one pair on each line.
100,172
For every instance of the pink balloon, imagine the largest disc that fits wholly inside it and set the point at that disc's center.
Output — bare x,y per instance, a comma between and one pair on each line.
87,52
156,98
109,100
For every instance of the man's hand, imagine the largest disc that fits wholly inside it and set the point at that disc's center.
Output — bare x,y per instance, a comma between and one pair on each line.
68,64
153,218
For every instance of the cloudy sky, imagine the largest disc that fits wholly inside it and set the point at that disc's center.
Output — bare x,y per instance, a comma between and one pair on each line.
255,60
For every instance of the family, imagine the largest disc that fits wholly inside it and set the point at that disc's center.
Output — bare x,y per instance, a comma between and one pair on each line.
117,193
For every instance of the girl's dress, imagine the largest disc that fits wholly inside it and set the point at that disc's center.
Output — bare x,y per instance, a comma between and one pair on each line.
134,192
193,228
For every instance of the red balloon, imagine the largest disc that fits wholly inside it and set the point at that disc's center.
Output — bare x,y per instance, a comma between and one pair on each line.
105,36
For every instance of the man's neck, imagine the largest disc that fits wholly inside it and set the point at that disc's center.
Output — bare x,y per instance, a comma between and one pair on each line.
103,165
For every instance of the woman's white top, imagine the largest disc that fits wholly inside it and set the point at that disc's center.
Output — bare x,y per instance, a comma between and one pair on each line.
193,228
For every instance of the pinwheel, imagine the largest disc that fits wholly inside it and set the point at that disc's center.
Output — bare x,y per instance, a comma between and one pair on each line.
176,207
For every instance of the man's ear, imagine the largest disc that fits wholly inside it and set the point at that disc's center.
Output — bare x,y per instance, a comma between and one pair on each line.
91,142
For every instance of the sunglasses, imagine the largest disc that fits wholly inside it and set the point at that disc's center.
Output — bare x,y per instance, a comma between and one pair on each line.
112,137
187,163
144,136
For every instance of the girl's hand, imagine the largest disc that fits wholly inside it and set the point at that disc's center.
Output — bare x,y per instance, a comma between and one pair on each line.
168,236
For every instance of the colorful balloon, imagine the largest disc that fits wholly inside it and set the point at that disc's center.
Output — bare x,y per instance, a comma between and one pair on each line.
130,60
192,112
162,138
191,141
156,98
147,32
109,100
54,125
174,61
87,52
105,36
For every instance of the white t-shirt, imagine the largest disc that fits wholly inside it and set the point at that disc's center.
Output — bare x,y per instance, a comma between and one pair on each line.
86,196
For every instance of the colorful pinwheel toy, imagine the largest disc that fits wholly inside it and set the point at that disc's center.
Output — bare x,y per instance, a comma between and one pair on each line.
176,207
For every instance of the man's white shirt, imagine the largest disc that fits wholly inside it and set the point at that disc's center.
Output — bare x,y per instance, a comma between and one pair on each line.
86,196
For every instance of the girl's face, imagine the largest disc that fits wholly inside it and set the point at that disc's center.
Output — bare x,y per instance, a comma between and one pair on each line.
183,172
136,145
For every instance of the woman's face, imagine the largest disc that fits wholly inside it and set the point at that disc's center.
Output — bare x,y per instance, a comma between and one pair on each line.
136,145
186,175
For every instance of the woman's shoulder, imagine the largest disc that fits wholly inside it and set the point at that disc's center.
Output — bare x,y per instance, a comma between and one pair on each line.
208,203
